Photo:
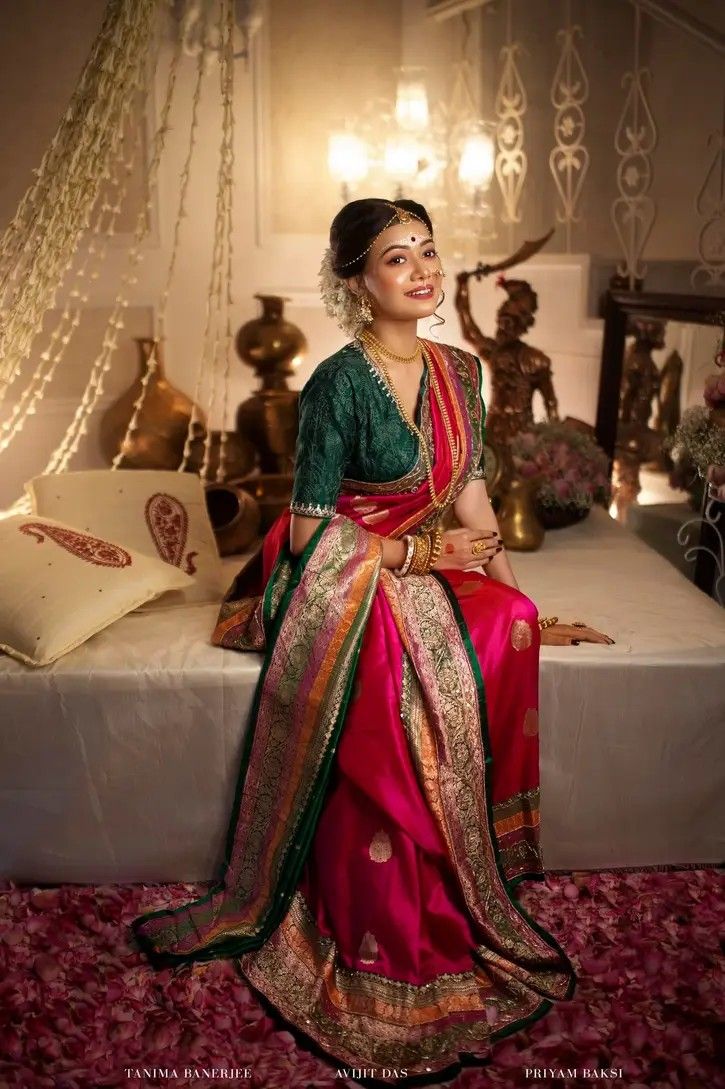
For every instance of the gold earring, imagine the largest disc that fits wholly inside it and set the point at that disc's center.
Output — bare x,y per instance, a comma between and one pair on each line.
364,309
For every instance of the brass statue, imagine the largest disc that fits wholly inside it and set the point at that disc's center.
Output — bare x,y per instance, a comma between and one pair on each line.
517,369
644,386
640,383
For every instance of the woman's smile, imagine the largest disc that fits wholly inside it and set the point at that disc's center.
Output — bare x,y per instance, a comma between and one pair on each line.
424,291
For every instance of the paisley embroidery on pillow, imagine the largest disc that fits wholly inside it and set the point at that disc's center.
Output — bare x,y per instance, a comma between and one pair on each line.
92,549
168,524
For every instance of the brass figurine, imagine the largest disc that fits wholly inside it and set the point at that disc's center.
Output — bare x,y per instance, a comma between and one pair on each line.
644,387
517,369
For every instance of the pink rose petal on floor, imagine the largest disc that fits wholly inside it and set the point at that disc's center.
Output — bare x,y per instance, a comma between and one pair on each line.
78,1002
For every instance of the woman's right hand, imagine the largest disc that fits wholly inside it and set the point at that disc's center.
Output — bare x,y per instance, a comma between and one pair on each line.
456,549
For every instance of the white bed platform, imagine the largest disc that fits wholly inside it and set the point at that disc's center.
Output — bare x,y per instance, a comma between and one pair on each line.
118,763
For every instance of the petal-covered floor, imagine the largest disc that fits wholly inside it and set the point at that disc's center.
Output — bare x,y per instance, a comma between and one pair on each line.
81,1009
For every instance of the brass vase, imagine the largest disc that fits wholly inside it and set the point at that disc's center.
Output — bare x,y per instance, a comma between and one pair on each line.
272,347
271,492
234,516
521,530
158,442
561,515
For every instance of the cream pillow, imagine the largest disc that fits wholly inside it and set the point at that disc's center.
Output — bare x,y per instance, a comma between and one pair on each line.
162,513
59,586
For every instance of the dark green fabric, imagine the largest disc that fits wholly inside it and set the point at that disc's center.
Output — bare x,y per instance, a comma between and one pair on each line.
349,426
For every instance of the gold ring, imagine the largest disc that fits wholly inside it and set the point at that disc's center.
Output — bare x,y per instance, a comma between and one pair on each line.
478,548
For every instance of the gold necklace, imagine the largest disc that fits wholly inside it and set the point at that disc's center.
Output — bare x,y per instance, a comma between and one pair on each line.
452,445
367,336
437,501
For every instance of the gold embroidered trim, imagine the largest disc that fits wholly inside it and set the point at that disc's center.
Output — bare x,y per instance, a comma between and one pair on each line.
466,368
312,510
454,781
364,1018
330,576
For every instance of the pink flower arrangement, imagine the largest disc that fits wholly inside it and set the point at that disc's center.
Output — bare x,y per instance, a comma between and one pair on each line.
571,469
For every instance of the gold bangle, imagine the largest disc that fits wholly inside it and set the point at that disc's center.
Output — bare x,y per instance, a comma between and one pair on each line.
547,622
415,560
425,553
421,553
436,549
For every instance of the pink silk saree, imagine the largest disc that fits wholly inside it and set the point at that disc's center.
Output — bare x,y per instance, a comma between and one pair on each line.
387,802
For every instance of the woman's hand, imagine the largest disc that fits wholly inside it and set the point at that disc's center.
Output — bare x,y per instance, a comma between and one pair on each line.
456,549
564,635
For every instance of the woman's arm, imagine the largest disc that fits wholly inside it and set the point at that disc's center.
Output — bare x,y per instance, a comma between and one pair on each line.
474,511
302,528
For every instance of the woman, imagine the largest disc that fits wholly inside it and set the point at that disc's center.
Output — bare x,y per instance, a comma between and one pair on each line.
387,803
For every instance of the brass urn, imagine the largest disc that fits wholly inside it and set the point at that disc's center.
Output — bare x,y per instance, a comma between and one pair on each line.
234,515
521,530
271,493
273,347
158,441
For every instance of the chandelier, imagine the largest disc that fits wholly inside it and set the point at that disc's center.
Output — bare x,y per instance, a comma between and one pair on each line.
441,155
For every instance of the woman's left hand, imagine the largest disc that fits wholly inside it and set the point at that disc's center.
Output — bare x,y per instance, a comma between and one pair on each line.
563,635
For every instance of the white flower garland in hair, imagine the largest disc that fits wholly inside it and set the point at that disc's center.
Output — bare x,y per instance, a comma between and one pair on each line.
341,303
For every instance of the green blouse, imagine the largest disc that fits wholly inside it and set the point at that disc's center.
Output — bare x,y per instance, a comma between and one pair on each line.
351,432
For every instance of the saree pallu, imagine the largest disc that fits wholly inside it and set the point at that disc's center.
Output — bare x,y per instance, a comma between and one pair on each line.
387,801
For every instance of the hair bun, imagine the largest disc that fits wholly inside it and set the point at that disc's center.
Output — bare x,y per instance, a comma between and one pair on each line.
357,225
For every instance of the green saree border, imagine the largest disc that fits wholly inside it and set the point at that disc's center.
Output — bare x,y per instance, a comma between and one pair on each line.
235,946
546,1003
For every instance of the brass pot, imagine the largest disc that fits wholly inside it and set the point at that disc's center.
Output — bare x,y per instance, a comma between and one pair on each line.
272,493
234,516
273,348
521,530
158,442
561,515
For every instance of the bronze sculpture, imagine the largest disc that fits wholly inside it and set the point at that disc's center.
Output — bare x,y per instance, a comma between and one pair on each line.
644,386
517,369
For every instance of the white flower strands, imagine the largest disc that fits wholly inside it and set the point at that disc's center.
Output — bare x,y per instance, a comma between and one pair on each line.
39,242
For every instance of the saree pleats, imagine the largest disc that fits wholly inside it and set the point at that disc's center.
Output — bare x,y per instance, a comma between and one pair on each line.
388,796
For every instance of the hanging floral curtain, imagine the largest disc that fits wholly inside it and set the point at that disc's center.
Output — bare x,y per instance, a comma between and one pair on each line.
40,241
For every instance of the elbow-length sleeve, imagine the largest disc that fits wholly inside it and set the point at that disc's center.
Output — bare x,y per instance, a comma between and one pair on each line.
478,471
324,442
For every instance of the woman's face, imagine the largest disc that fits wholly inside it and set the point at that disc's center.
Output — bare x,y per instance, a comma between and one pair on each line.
401,275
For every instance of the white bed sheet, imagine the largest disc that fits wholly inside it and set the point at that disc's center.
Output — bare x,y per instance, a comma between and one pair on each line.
119,761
